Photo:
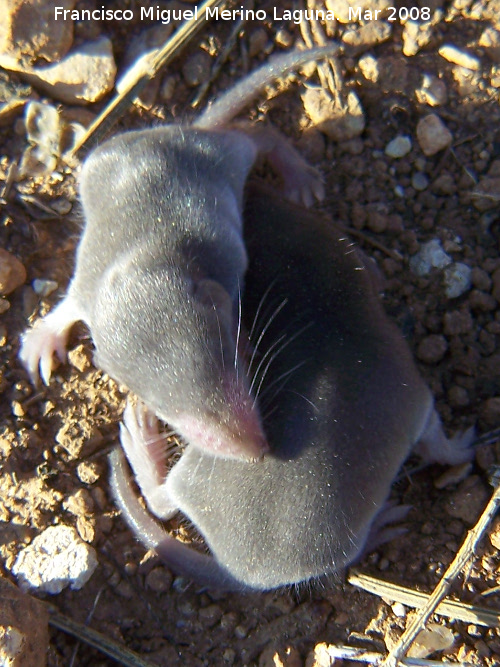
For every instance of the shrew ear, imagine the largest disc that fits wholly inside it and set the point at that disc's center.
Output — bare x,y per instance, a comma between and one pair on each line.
211,293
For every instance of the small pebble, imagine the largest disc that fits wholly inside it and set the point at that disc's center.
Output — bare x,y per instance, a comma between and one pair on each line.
257,42
490,411
369,68
398,147
432,92
321,656
444,185
399,610
210,615
495,535
456,322
459,57
55,559
284,38
479,300
43,129
80,358
197,68
44,287
240,632
377,221
431,255
29,31
490,42
487,193
432,135
12,272
340,124
367,35
167,89
63,206
432,349
18,409
419,181
432,638
88,472
12,643
159,580
457,279
415,36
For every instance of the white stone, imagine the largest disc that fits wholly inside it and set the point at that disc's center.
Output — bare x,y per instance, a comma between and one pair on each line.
466,80
459,57
415,37
368,66
430,256
398,147
490,42
432,92
369,34
44,287
457,279
12,642
340,124
56,558
433,135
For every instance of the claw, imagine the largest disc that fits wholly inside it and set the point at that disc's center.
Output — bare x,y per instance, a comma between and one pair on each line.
143,445
48,337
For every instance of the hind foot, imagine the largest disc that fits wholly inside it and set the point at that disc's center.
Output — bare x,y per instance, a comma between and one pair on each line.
434,447
144,447
302,182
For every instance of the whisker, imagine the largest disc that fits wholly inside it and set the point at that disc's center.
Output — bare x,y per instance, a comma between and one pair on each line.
238,332
284,376
263,332
265,357
315,407
266,415
290,340
259,308
220,337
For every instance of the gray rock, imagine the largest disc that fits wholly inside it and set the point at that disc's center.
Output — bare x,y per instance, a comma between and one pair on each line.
430,256
419,181
457,279
398,147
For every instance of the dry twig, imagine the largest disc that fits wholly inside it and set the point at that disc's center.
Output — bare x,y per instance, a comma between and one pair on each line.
144,70
464,554
450,608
